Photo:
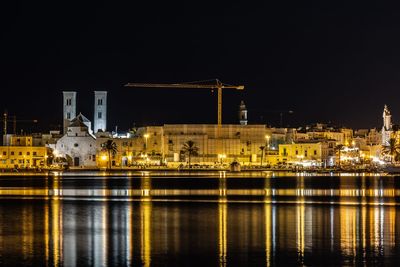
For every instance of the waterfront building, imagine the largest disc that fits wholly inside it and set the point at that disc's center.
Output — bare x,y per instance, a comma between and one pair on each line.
143,147
47,139
20,153
217,144
369,142
78,145
342,136
308,153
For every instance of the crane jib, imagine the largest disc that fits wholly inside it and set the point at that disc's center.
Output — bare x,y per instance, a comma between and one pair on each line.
219,85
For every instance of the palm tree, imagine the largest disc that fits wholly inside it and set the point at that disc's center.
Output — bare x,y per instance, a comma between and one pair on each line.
262,148
338,148
392,149
111,148
190,149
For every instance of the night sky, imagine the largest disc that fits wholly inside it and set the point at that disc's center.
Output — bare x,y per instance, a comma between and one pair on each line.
326,61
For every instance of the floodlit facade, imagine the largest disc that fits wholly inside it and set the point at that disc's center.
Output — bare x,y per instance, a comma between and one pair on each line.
308,153
78,146
100,111
69,108
22,154
222,144
387,126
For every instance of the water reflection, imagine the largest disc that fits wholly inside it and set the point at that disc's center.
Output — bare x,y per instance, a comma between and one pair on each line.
222,220
57,231
145,219
97,234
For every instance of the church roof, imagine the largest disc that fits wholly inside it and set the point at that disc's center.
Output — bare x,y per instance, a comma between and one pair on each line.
77,123
81,118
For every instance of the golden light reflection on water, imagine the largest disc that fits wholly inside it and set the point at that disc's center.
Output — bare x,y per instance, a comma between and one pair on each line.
145,221
299,229
222,220
378,194
267,220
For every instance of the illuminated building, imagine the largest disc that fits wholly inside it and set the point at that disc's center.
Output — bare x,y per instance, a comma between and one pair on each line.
78,146
100,111
342,136
308,153
387,126
69,108
240,142
242,113
20,153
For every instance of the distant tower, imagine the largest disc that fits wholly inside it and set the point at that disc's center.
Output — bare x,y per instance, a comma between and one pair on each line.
69,108
100,111
242,113
387,126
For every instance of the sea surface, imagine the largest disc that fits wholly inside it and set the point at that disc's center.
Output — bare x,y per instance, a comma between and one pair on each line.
200,219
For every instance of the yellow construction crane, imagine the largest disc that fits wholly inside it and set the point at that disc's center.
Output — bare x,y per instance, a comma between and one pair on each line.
218,85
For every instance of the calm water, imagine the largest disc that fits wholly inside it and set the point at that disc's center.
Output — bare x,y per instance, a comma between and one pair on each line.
208,219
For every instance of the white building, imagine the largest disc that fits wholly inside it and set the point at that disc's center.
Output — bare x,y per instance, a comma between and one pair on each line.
387,126
100,111
78,146
69,108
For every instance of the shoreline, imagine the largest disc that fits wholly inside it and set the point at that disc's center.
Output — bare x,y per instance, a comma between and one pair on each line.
193,172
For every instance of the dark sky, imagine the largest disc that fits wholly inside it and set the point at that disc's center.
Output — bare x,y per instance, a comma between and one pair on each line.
327,60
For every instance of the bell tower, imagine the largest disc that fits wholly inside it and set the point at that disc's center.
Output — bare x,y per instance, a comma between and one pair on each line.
242,113
69,108
387,126
100,111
